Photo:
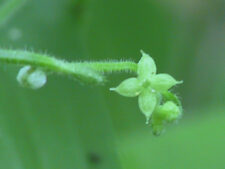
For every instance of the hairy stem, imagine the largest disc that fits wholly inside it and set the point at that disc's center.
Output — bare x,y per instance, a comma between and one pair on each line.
84,71
8,8
111,66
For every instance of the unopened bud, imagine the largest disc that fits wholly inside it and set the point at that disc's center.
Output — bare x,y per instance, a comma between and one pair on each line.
31,77
170,111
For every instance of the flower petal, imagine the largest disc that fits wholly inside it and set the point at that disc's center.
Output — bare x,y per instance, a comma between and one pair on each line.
147,101
163,82
146,67
129,88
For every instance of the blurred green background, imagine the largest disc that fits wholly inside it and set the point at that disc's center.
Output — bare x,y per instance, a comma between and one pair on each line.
66,125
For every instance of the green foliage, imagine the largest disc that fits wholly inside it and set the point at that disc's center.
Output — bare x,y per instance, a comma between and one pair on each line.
9,8
67,125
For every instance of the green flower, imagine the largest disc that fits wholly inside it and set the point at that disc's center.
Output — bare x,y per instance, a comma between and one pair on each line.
149,87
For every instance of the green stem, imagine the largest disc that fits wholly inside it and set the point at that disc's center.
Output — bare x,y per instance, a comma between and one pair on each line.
84,71
8,8
111,66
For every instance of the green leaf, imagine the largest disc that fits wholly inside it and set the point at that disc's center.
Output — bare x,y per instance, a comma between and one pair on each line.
146,67
147,102
163,82
130,88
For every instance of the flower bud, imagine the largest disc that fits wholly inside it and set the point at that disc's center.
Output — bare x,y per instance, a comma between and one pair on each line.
31,78
169,111
129,88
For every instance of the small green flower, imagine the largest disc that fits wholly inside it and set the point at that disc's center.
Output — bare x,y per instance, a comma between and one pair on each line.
149,87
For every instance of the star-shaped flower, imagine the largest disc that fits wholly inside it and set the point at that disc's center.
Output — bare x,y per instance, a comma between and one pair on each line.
150,89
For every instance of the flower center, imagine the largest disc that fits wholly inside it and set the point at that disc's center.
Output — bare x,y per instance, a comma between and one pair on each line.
146,83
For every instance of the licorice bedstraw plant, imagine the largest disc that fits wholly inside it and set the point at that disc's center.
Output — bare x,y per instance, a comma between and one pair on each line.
156,102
